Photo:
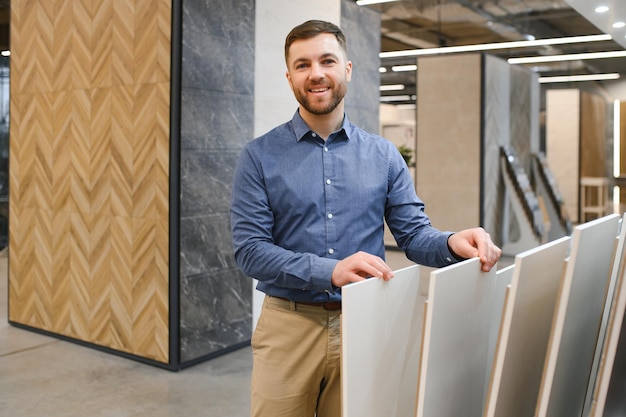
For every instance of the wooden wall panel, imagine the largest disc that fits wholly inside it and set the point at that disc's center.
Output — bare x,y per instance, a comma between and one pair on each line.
562,144
89,179
449,110
593,135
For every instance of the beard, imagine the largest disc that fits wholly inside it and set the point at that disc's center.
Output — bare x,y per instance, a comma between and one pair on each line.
322,108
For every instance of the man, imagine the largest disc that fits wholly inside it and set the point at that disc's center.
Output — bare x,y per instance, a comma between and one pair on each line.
309,199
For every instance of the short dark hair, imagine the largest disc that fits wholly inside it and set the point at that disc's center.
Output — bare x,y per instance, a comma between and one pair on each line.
312,28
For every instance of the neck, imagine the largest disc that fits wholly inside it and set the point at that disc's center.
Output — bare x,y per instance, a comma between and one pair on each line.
324,124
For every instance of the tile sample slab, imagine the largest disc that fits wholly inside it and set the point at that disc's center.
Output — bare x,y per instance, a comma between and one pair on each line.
610,366
381,328
503,281
577,319
525,330
455,342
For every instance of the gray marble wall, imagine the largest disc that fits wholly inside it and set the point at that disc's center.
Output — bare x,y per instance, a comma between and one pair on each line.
496,133
217,119
362,29
511,119
217,111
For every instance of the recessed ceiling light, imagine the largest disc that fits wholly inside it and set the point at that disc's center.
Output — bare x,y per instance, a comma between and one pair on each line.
574,78
602,9
494,46
618,25
394,98
391,87
567,57
400,68
368,2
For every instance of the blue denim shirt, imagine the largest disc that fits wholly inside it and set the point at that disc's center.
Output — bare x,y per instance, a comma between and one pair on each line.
300,204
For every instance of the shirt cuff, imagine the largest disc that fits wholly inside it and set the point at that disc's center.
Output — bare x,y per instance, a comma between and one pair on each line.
321,274
454,257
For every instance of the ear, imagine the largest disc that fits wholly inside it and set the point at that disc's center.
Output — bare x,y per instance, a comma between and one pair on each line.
349,70
289,80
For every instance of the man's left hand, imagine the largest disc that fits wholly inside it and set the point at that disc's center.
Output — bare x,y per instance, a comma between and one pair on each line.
476,242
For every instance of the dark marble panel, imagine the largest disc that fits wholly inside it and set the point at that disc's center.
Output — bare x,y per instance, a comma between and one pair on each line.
496,115
206,182
217,64
362,29
216,312
205,244
520,105
230,20
215,120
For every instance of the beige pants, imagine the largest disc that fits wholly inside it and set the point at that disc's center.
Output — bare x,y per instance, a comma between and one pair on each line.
296,365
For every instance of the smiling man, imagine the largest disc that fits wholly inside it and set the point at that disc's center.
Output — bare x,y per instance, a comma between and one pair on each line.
310,199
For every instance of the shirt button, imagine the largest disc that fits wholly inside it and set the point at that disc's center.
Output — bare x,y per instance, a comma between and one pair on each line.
314,135
331,251
325,148
448,259
330,215
328,182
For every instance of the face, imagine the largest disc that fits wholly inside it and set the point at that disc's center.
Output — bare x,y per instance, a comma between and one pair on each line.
318,73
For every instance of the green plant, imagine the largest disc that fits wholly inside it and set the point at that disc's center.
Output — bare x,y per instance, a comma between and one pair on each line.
407,154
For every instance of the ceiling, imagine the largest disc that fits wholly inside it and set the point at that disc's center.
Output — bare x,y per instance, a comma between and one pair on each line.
418,24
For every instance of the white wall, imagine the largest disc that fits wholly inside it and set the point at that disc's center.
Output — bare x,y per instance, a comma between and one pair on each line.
274,103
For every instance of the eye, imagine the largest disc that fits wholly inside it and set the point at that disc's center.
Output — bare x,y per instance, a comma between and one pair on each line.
328,61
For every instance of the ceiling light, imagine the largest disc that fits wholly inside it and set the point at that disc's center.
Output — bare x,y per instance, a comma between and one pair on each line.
368,2
492,46
602,9
618,25
572,78
391,87
400,68
5,53
382,70
568,57
395,98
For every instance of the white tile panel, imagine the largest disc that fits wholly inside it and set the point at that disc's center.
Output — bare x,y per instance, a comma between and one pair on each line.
525,330
577,319
455,349
381,328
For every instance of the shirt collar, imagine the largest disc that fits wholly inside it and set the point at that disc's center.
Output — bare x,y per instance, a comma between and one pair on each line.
301,129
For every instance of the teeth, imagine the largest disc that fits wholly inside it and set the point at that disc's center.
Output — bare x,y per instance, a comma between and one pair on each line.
319,90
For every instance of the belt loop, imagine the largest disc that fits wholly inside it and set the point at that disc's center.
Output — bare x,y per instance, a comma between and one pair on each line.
292,305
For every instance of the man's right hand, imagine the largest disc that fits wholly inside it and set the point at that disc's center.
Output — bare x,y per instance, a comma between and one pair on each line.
358,267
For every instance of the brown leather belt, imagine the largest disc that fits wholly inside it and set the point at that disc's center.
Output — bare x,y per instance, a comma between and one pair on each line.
329,305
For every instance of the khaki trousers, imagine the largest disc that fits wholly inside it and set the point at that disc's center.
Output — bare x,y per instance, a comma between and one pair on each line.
296,361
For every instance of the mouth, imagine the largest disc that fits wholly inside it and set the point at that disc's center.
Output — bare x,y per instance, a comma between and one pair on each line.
319,90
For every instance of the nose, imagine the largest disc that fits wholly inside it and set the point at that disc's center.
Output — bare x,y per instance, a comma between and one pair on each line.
317,72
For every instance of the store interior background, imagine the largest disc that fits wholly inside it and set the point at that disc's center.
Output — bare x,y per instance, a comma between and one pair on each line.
535,110
585,118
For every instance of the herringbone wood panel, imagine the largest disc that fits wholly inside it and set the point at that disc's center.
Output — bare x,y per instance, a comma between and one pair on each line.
89,171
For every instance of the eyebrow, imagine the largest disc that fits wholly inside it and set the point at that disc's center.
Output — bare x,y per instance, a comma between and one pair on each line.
323,56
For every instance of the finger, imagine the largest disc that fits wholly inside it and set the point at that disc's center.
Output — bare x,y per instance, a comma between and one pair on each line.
374,266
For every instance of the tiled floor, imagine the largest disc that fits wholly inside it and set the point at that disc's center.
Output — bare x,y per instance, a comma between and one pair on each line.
47,377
